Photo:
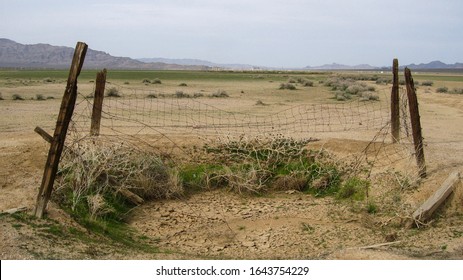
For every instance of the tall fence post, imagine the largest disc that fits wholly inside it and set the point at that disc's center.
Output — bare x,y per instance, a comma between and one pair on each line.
59,136
395,108
98,102
416,123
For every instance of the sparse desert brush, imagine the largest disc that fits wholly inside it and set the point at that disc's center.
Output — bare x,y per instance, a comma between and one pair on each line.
427,83
1,96
182,85
17,96
48,80
113,92
345,88
157,81
367,96
220,94
94,177
442,90
181,94
307,83
40,97
457,91
287,86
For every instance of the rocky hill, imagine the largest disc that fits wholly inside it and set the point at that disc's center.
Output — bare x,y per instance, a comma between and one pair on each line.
16,55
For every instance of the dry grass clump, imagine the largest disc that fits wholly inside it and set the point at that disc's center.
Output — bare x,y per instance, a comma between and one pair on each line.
113,92
95,177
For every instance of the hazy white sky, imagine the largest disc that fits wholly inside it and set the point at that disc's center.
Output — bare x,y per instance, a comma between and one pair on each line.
280,33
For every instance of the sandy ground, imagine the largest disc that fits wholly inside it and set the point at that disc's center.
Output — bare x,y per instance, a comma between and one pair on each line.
220,224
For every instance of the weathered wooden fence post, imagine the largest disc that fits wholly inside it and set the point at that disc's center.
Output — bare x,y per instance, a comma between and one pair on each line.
395,108
98,102
59,136
416,123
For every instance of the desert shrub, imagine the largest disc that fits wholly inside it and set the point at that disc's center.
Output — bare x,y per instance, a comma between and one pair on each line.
157,81
113,92
48,80
307,83
198,94
220,94
367,96
262,164
427,83
292,81
17,97
342,96
181,94
442,90
1,96
182,85
151,95
345,88
383,81
40,97
457,91
260,103
126,83
354,89
94,178
146,81
287,86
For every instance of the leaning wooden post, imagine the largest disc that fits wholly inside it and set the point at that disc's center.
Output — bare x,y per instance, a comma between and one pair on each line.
395,109
59,136
98,102
416,123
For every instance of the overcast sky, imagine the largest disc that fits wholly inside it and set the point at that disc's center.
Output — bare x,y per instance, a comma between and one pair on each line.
286,33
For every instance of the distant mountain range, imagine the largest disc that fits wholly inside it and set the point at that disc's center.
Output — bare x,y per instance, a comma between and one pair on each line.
16,55
188,61
335,66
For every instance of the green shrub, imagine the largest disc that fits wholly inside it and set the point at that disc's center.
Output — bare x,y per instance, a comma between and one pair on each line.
372,208
353,188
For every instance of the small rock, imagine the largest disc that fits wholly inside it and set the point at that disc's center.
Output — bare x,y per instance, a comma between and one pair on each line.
249,244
